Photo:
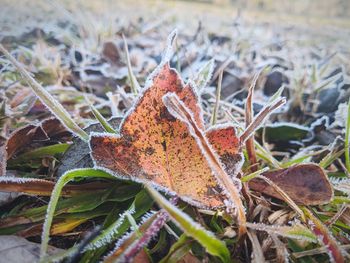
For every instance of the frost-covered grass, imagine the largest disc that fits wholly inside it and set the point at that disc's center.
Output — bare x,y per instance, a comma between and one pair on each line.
90,83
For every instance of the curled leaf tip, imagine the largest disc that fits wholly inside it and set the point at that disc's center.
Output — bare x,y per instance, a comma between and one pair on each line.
169,47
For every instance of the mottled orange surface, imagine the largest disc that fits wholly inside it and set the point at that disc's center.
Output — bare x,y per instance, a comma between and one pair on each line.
227,145
155,146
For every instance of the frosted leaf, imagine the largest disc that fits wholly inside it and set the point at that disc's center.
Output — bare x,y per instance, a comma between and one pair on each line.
296,231
179,110
199,139
204,74
169,48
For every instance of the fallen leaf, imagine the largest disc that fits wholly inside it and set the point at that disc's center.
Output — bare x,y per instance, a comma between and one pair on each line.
33,186
154,146
17,249
23,138
274,81
111,52
305,184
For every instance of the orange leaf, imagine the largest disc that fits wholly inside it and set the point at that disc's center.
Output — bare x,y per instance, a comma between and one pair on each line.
154,146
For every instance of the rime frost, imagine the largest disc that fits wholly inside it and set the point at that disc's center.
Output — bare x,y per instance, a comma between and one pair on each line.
342,185
19,180
108,234
132,249
179,116
294,232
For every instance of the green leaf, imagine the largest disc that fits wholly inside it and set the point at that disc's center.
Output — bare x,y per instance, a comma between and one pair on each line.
284,132
142,203
41,152
124,192
84,202
204,74
207,239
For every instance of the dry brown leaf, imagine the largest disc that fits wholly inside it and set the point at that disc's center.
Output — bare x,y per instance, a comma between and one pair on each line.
305,184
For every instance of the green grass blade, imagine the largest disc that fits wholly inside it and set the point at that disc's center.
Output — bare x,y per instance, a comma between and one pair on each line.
251,176
135,86
266,155
277,94
191,228
104,123
214,116
113,230
330,158
64,179
140,205
45,97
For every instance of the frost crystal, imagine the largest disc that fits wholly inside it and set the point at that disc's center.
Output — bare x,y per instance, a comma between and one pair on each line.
342,185
10,179
108,234
147,235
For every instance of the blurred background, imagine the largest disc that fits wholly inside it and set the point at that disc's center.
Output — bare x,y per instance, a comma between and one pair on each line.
325,17
302,44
